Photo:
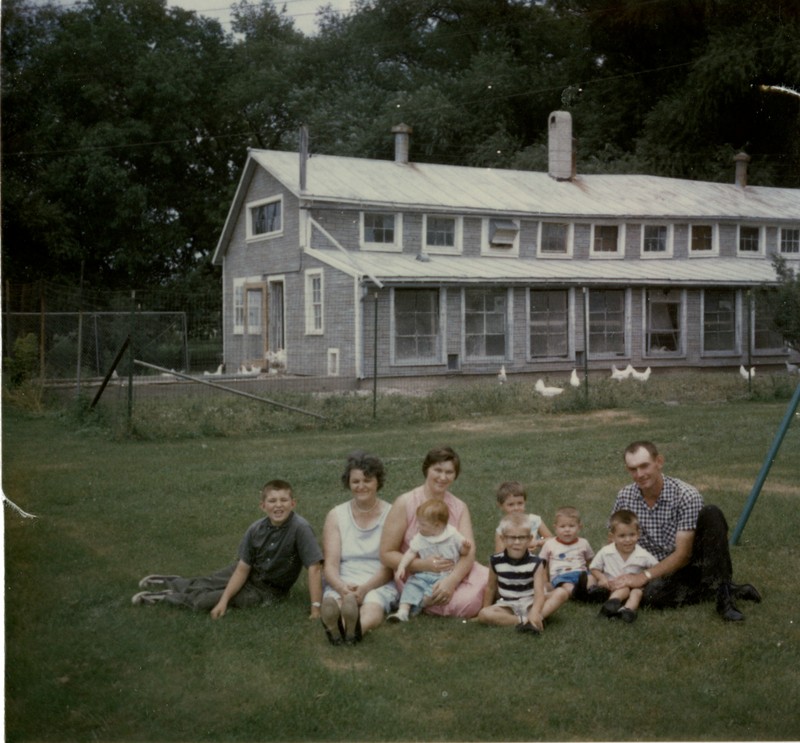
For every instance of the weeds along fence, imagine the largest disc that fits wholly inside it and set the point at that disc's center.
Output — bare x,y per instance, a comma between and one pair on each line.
62,336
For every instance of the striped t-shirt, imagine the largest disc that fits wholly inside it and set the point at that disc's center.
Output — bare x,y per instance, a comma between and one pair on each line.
514,576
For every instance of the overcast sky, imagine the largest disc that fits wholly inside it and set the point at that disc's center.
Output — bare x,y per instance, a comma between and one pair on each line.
303,12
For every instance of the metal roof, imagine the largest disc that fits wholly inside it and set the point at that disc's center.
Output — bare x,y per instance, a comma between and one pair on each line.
448,188
405,269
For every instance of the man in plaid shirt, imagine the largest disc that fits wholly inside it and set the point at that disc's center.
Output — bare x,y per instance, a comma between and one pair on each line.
689,539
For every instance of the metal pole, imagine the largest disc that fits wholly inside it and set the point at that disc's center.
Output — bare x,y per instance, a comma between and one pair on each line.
130,359
80,336
586,344
762,476
375,361
227,389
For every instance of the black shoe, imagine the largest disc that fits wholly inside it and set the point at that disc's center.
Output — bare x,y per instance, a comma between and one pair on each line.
579,593
746,592
627,615
597,595
527,628
725,606
611,609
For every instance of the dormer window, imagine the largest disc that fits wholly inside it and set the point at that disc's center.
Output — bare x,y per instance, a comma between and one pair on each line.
656,241
701,240
381,231
554,239
265,218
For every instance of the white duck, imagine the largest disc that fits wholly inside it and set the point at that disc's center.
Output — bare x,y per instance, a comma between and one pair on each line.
502,377
547,391
641,376
573,379
216,373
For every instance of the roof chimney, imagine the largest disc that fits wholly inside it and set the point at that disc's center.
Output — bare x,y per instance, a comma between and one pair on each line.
561,149
741,161
401,142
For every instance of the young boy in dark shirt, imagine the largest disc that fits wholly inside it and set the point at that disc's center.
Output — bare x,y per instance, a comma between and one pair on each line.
272,554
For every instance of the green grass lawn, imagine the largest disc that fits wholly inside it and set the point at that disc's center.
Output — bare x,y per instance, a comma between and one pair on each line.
82,663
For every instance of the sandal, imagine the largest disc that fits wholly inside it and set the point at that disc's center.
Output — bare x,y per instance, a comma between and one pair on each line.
352,618
330,616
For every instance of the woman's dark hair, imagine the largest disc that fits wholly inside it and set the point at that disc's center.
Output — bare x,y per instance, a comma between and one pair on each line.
369,464
441,454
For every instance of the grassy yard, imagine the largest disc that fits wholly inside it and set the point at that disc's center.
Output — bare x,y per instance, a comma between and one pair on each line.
82,663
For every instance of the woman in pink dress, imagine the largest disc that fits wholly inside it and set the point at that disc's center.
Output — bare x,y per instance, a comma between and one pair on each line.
460,592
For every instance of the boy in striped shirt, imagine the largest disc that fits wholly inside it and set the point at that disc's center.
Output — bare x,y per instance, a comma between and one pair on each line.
515,592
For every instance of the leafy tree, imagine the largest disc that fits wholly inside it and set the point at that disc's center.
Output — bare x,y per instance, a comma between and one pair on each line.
784,302
117,150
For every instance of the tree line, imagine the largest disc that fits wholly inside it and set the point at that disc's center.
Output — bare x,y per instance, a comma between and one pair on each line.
125,123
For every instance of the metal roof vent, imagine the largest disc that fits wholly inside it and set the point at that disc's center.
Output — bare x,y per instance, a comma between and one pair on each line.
401,143
741,161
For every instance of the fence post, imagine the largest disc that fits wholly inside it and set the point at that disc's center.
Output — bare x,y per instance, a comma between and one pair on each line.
131,357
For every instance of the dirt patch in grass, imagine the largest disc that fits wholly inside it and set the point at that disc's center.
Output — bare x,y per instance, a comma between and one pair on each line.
566,422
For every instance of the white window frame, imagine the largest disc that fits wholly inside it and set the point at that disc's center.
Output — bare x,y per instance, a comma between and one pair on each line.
508,334
682,327
394,247
438,356
606,255
626,325
759,252
333,362
714,252
670,241
737,326
570,240
780,250
458,236
239,303
570,320
315,323
253,205
502,251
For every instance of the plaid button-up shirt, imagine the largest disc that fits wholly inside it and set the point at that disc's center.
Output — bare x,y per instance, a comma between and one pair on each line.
676,510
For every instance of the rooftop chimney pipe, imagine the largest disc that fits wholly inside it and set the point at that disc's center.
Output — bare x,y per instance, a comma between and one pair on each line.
741,161
561,148
401,143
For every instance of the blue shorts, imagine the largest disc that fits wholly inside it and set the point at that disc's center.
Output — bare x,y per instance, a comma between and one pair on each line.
573,576
417,587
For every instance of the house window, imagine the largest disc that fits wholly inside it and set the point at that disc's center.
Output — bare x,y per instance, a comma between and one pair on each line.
749,239
442,234
238,307
381,231
485,323
607,322
549,324
790,240
605,239
656,240
664,329
333,362
265,218
315,317
701,239
248,306
554,238
416,325
255,310
765,336
719,320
